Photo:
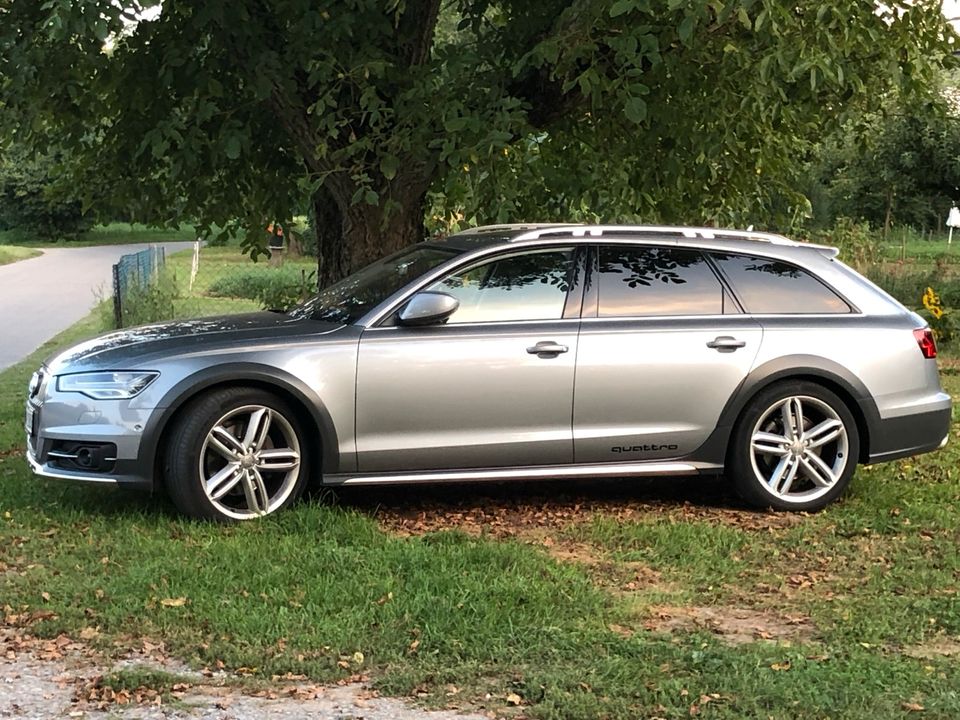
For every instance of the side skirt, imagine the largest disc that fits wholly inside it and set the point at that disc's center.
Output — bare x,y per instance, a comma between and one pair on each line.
545,472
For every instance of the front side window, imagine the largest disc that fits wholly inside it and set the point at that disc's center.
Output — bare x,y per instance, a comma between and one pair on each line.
530,286
767,286
351,298
651,281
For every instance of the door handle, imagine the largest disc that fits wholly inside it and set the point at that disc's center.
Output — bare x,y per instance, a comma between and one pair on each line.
546,348
725,343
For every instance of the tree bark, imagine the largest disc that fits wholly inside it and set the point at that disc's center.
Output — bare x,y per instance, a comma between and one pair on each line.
352,236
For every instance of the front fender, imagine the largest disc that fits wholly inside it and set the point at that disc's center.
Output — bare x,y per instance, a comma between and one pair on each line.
239,374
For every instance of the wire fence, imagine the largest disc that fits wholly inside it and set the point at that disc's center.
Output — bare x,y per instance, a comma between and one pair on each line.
132,275
207,280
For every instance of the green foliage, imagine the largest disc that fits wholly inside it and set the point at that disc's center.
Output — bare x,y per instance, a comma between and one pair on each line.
232,111
275,288
151,302
859,246
35,199
896,166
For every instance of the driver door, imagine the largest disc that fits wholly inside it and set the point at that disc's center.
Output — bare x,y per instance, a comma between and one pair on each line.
476,391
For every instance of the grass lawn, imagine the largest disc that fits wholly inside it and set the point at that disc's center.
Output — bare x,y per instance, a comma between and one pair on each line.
12,253
614,599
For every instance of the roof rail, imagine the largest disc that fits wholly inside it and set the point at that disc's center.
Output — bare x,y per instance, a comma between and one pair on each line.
704,233
512,227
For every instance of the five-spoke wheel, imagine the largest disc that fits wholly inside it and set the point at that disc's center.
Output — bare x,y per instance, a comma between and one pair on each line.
235,454
795,447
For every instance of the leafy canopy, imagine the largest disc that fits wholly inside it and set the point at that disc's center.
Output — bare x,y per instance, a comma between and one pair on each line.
232,111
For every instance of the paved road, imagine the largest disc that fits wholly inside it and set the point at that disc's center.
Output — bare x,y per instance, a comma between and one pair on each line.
45,295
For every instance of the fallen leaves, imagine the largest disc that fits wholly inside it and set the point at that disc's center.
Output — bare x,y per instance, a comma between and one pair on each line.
173,602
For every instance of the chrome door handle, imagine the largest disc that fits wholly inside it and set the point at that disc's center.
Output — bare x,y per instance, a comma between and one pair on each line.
547,347
725,343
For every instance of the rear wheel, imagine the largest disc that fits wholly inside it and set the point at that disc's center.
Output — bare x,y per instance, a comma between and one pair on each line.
795,447
235,454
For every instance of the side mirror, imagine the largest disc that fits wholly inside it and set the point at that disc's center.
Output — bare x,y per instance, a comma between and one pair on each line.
428,308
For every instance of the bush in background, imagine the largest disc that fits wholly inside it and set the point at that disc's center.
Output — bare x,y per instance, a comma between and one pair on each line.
151,302
274,288
859,246
33,199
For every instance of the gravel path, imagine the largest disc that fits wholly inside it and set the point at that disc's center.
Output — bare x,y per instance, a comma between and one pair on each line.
59,678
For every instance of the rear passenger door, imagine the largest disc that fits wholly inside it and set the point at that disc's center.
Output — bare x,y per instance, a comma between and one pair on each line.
663,346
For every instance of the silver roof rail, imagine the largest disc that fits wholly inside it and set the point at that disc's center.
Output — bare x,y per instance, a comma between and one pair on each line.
678,231
512,227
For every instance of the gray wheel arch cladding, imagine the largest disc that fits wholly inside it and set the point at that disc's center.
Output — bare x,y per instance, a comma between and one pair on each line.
235,374
794,367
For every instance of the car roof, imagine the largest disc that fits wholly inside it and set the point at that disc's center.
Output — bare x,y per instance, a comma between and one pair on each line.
488,235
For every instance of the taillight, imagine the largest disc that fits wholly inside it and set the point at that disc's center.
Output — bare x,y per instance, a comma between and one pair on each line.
926,341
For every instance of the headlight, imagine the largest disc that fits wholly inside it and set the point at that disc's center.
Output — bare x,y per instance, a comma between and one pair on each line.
107,385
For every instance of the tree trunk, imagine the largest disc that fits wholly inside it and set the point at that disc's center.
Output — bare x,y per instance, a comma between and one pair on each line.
332,259
348,238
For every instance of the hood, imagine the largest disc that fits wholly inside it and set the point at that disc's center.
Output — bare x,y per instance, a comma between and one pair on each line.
129,348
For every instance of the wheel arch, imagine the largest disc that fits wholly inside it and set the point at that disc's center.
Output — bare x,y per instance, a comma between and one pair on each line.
305,402
834,377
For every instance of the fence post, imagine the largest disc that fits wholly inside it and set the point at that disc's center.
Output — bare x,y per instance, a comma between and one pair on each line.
117,302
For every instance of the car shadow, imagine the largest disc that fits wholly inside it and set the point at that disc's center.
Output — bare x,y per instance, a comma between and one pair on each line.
517,508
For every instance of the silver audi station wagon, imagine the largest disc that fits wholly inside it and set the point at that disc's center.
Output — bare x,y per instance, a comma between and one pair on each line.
507,353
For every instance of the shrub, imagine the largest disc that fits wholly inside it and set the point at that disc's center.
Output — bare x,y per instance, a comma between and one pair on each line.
278,288
151,302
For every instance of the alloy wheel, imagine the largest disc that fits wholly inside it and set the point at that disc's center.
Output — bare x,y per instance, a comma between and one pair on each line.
799,449
250,462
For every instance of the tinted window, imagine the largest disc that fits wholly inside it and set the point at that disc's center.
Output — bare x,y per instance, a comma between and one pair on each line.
771,286
532,286
348,300
658,281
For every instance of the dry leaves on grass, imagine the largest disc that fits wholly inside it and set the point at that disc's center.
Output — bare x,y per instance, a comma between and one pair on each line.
733,625
101,694
517,511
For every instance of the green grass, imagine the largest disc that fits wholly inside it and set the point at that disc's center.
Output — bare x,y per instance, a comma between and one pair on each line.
327,590
12,253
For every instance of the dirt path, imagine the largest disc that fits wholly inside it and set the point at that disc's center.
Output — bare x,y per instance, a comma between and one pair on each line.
62,678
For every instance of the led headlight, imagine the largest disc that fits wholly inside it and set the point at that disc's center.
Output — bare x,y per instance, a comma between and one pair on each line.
107,385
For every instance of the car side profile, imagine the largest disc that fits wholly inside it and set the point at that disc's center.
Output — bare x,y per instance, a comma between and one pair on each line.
506,353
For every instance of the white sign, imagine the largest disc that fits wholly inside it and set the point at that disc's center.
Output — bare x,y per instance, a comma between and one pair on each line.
953,219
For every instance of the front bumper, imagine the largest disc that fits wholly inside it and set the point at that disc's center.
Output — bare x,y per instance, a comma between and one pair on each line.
58,426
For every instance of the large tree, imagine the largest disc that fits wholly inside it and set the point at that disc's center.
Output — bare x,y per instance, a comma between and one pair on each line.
231,111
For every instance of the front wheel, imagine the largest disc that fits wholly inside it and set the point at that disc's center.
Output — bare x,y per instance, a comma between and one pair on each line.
795,447
235,454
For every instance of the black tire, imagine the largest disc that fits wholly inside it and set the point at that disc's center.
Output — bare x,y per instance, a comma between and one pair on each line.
785,475
262,478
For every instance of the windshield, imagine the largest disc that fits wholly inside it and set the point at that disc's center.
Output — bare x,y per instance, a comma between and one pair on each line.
351,298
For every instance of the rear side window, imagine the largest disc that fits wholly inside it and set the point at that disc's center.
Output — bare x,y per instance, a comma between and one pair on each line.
772,286
650,281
